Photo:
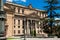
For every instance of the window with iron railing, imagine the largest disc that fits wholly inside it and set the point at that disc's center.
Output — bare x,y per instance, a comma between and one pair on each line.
14,32
18,22
18,26
24,23
38,31
22,31
14,21
18,31
14,26
18,10
23,11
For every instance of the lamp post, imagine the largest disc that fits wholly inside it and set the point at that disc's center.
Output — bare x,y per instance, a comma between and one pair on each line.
2,19
1,5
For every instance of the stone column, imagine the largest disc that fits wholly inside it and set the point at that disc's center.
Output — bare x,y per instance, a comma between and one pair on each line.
36,26
31,24
28,30
31,27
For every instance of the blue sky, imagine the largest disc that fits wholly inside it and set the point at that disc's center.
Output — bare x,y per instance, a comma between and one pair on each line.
35,3
38,4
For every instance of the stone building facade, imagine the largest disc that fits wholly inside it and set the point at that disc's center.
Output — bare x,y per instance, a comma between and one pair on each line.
19,17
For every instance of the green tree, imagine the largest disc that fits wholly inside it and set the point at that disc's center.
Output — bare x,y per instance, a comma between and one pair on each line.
50,10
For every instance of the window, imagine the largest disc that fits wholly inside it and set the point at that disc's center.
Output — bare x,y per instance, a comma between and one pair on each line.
41,31
18,10
23,11
18,31
24,23
14,31
23,27
23,31
14,9
38,27
38,31
14,26
18,22
29,24
18,26
14,21
33,22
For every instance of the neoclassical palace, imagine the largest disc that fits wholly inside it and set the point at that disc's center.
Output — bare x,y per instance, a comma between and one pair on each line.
21,19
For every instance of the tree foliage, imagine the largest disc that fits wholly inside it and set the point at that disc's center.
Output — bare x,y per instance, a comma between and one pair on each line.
48,23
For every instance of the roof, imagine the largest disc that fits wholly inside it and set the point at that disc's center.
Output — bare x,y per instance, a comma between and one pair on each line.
14,4
24,6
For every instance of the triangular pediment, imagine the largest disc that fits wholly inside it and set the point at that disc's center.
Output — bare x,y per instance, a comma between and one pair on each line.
5,7
9,7
35,15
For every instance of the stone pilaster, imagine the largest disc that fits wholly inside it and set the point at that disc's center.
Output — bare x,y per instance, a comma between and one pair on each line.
28,30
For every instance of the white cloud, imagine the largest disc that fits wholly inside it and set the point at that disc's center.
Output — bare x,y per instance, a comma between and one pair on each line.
23,0
9,0
16,0
57,18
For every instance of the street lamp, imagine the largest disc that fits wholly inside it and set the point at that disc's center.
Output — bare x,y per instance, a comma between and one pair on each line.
2,18
1,5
